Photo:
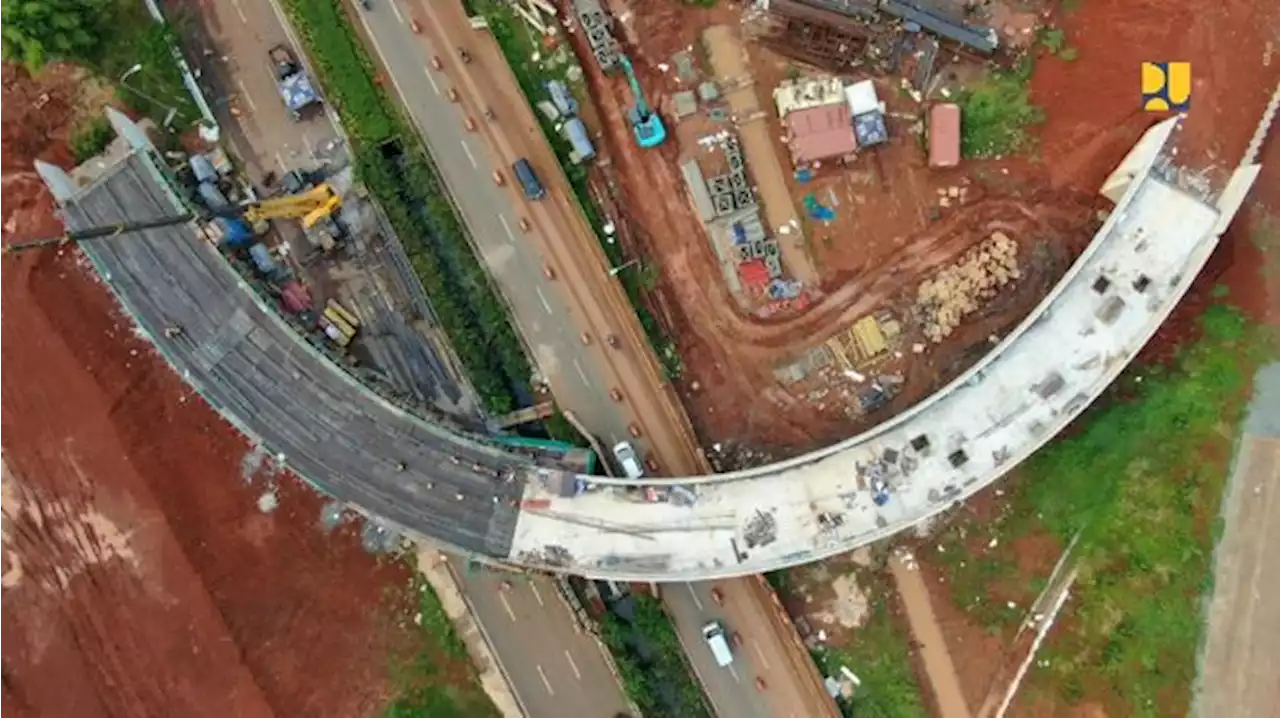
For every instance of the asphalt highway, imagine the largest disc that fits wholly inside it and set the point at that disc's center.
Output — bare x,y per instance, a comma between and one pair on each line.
557,668
552,314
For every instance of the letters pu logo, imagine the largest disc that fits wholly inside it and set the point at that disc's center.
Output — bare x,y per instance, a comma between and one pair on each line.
1166,86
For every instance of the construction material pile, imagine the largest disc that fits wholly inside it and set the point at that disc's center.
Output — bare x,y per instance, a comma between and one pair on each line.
962,288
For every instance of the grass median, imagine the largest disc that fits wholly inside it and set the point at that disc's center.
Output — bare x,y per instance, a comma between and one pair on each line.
651,663
393,163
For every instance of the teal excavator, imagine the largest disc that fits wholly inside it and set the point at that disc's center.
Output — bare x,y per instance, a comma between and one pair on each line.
645,123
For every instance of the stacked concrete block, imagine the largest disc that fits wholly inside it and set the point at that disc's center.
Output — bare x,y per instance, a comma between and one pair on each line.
723,203
597,25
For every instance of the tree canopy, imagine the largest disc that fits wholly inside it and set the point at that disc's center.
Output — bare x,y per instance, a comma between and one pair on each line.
37,31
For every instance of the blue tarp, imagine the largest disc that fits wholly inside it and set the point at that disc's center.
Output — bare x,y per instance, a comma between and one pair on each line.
297,91
870,129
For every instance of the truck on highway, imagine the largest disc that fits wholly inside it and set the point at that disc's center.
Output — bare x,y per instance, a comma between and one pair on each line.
293,83
533,189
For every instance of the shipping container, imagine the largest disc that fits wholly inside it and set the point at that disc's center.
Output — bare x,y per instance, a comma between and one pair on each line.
944,135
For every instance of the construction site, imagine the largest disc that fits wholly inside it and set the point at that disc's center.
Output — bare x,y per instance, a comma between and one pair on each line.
791,172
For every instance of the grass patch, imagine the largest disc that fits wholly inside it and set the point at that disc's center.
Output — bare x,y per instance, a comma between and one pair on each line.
135,38
996,114
880,656
518,46
1141,482
91,139
408,187
1054,40
437,680
651,663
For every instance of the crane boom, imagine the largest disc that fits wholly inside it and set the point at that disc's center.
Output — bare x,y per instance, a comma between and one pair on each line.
311,206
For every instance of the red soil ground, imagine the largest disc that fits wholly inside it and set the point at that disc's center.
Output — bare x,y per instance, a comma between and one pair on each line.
140,576
728,384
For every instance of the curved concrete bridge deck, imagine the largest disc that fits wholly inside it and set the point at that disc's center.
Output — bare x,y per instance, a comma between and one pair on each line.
346,441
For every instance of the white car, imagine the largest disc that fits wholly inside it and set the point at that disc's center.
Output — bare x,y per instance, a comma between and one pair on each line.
626,455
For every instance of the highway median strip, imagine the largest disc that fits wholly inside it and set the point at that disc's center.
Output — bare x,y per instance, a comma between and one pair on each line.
393,163
651,663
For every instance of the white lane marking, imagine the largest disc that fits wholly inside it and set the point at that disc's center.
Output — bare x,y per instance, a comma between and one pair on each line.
576,673
545,682
734,673
470,156
505,604
764,662
431,78
245,94
694,594
311,152
582,373
364,22
240,12
547,306
395,9
536,596
280,161
511,236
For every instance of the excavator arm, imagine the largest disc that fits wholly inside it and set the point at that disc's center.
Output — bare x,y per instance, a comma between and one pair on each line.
311,206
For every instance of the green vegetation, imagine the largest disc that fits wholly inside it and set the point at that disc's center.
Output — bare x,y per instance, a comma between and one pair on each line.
108,38
518,46
1055,41
996,114
37,31
1141,483
407,186
436,680
879,655
652,663
155,89
92,139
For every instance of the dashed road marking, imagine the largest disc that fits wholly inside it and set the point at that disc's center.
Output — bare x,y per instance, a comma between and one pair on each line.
245,94
395,9
470,156
431,78
576,673
536,596
507,605
547,306
694,593
733,672
511,236
542,674
240,11
764,662
582,373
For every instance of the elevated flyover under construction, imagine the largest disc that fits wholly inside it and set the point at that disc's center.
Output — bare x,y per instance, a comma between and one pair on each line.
463,491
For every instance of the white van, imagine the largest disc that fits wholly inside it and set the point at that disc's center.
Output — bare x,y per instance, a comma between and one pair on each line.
713,634
626,455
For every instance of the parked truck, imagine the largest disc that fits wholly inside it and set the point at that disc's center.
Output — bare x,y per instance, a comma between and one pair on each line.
293,83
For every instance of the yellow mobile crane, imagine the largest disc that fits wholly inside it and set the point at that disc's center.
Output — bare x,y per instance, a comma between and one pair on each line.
311,207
